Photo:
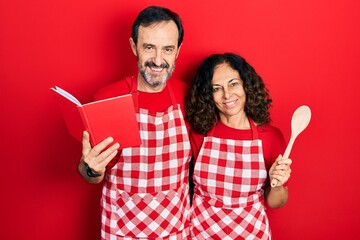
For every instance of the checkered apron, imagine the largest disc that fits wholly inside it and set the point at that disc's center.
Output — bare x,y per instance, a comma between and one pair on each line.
228,200
146,193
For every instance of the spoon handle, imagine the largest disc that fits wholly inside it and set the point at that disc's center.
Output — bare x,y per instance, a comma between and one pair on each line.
289,147
286,155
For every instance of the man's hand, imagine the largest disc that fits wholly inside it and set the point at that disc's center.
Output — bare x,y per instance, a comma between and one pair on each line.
97,158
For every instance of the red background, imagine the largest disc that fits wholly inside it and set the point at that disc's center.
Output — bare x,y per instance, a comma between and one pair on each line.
308,52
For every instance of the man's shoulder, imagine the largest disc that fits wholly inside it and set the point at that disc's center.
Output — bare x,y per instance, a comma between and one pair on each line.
117,88
180,88
177,83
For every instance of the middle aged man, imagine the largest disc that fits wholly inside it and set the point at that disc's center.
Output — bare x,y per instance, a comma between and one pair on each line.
146,191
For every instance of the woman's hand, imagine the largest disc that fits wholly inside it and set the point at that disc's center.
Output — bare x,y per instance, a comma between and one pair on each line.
280,170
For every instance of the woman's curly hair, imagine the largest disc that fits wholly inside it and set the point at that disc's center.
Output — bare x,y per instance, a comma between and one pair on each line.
200,107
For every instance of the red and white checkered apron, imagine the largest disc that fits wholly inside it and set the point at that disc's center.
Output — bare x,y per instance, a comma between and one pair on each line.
228,200
146,194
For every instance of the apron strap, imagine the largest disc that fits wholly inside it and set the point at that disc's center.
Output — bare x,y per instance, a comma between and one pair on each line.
133,90
132,83
171,93
255,134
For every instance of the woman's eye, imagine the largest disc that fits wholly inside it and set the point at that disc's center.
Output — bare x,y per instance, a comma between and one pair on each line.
233,84
216,89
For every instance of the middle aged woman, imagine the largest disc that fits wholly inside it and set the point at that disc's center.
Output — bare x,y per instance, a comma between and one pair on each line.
236,151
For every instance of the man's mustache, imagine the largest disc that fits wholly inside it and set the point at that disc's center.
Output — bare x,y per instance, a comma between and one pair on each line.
152,64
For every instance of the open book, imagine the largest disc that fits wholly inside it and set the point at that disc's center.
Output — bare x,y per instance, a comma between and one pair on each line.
113,117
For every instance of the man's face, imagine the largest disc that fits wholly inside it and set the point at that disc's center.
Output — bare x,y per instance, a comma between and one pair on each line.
156,50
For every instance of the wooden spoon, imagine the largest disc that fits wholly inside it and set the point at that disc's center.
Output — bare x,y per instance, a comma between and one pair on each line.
300,120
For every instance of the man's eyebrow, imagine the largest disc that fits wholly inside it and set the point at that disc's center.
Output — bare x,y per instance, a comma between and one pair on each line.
148,44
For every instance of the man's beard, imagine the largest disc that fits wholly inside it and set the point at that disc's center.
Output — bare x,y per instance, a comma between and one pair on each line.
156,80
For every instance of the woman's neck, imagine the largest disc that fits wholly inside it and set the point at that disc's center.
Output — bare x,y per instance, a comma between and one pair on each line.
236,121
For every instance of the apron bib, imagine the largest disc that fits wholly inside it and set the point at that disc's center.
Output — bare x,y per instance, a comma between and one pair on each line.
146,194
228,196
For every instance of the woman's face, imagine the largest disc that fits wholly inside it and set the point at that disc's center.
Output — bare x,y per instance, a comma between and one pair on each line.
228,92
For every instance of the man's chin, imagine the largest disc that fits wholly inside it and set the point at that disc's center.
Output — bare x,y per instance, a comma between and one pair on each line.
157,80
156,83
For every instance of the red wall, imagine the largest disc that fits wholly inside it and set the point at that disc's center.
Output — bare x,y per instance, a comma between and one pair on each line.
308,52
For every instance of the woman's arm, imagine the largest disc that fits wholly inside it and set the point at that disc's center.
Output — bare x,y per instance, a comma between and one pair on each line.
277,196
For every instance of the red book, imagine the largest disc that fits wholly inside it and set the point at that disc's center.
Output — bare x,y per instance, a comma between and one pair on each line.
113,117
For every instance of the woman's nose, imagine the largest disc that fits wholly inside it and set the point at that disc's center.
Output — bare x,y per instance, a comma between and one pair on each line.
226,94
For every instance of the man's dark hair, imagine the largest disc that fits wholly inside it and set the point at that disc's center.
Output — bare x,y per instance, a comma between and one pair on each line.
155,14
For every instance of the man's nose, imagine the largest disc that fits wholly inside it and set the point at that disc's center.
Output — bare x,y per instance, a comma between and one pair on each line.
158,58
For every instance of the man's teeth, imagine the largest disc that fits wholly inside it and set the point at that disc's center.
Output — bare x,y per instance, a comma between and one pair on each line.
156,69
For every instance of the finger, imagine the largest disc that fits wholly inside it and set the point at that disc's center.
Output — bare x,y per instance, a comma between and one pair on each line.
281,167
274,182
101,167
97,149
276,162
277,180
282,176
287,161
86,146
105,157
105,154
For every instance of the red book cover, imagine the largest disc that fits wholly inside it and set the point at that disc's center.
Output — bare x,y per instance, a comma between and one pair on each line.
113,117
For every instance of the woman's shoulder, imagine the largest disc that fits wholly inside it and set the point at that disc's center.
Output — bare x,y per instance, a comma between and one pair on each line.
270,131
196,137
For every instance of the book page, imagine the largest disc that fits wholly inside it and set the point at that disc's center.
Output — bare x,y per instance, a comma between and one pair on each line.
66,95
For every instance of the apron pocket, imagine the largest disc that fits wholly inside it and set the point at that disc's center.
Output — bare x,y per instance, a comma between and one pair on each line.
151,215
248,222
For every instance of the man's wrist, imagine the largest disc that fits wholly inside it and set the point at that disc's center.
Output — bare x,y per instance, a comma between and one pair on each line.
89,172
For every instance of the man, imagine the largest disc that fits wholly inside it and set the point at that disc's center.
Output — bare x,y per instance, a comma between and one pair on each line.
146,192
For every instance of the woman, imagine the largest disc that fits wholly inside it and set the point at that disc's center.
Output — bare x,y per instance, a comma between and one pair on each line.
234,148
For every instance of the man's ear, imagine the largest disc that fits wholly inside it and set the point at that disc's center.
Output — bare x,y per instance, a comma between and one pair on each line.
177,54
133,46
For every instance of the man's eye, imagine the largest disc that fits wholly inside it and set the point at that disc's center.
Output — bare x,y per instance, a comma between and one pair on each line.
149,48
168,50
